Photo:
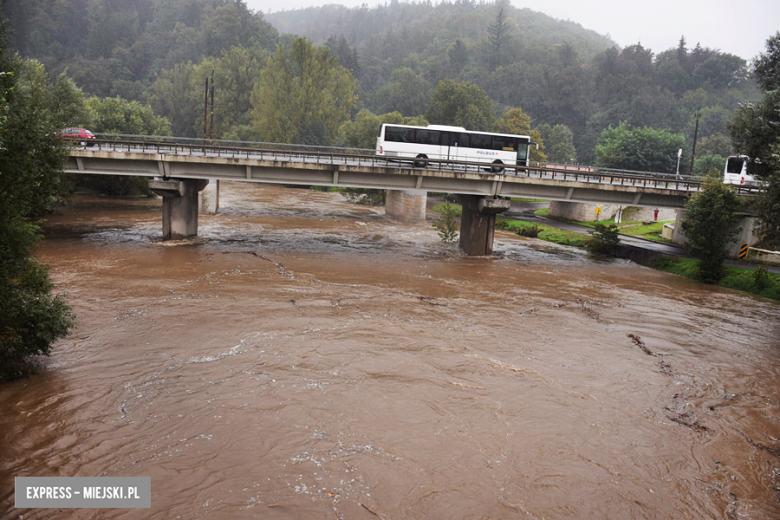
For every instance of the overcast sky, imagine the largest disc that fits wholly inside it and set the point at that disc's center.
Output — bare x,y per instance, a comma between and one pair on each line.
738,27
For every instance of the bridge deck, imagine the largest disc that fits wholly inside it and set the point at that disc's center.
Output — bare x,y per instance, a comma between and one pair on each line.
168,160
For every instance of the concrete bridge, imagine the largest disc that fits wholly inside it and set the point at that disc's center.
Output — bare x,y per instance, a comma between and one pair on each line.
180,170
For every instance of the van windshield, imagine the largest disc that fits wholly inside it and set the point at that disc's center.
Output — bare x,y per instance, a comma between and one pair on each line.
734,165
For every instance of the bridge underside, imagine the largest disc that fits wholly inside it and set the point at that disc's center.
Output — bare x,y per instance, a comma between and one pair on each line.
600,188
178,178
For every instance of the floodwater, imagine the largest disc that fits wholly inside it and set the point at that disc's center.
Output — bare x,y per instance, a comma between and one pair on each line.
310,358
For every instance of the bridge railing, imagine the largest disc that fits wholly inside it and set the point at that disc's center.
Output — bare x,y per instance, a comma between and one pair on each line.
228,144
368,157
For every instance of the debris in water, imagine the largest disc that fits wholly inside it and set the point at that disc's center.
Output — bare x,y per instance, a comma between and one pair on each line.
688,420
369,510
639,343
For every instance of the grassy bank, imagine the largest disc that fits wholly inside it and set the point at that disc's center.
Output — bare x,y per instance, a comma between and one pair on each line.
636,228
548,233
759,281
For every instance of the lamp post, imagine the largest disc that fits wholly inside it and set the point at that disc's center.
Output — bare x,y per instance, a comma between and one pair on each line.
679,154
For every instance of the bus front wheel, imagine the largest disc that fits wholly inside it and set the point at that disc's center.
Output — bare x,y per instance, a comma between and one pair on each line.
497,167
422,161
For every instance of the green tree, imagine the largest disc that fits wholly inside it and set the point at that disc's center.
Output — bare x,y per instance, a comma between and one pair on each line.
303,97
755,129
515,121
709,165
406,92
175,96
69,103
363,131
498,36
119,116
236,72
222,30
641,149
755,132
767,208
461,104
709,226
558,143
31,158
458,55
766,66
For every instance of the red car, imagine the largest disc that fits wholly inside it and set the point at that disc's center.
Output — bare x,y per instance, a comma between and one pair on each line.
78,136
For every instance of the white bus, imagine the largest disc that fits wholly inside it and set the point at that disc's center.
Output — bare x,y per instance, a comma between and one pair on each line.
736,171
452,143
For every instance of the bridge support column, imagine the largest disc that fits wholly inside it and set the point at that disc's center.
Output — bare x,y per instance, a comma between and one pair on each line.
406,206
745,236
477,223
180,206
208,201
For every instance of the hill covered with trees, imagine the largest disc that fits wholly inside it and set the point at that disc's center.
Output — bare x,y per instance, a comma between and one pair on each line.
570,84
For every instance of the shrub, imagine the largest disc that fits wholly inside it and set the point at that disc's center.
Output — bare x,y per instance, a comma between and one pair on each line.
603,239
371,197
709,228
531,231
448,225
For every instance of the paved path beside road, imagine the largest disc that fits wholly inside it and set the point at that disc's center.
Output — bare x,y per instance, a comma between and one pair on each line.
525,211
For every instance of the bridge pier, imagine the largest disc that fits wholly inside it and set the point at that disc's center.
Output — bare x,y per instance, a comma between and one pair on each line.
746,236
208,201
180,206
407,206
478,222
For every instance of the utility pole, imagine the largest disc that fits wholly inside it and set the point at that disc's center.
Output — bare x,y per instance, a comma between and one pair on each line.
211,130
695,134
205,109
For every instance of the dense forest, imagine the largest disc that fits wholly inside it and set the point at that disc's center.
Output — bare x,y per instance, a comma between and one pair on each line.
512,69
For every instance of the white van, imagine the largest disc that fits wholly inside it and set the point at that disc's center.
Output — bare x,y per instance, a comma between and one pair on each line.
736,171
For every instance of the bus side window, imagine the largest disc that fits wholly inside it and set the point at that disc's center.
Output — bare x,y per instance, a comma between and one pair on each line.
427,137
394,134
501,142
481,141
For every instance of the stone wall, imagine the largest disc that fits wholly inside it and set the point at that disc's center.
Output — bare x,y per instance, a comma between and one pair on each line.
587,212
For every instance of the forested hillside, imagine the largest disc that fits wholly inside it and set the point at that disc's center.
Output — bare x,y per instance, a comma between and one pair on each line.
573,83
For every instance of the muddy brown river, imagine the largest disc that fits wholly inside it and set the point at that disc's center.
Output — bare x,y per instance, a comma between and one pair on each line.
310,358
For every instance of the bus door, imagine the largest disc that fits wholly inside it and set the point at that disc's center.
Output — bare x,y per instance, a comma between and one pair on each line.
522,152
455,145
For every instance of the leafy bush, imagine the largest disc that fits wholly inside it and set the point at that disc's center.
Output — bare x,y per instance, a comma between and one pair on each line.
448,225
603,239
371,197
761,277
711,215
531,231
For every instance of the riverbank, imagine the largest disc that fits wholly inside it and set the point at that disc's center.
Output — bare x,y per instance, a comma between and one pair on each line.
754,279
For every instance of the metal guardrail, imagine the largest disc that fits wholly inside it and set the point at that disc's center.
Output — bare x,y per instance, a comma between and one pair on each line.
368,158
